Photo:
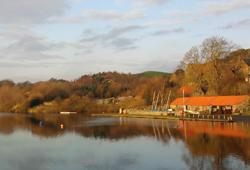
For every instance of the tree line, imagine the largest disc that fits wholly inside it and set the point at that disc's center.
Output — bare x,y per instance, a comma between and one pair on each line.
216,67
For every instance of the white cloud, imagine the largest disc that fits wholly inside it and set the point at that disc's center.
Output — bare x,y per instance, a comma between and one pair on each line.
24,45
113,15
158,2
91,15
123,30
116,37
211,8
167,32
30,11
221,8
145,2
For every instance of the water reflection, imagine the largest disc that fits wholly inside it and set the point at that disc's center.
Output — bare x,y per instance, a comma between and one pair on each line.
40,142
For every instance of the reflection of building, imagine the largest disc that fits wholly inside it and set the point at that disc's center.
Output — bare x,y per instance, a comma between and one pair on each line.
191,128
212,104
247,61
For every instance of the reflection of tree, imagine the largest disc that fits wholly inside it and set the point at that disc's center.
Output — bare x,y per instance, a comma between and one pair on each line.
36,125
6,125
205,148
49,126
125,131
211,152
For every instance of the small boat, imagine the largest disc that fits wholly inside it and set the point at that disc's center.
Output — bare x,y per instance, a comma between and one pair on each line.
67,113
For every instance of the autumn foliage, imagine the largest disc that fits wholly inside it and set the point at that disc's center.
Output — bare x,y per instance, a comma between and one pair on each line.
216,67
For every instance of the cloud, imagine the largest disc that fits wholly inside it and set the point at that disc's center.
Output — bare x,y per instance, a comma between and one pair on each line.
30,11
167,32
91,15
116,37
23,44
239,24
123,30
67,19
146,2
20,64
218,8
113,15
158,2
208,8
124,43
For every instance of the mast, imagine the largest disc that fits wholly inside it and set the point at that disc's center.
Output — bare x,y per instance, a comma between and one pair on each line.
153,102
157,100
167,105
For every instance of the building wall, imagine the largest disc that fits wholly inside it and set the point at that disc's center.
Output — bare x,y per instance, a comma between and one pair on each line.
201,109
239,109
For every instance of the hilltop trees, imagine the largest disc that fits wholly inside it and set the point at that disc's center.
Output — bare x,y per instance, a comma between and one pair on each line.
211,70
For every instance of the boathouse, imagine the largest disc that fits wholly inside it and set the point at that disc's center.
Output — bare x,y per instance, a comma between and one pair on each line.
212,104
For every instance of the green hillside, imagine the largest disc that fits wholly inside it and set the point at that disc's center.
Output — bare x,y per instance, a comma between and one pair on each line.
150,74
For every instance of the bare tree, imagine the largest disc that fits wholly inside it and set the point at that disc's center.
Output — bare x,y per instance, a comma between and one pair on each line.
216,48
191,57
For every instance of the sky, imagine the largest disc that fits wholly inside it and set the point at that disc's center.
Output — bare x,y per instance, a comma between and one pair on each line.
64,39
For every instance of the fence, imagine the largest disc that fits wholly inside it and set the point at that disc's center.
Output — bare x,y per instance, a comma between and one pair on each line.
207,117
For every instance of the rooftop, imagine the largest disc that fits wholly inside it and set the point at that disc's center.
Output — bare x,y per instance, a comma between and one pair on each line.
211,100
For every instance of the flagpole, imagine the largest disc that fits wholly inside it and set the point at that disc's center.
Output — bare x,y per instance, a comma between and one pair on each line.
183,91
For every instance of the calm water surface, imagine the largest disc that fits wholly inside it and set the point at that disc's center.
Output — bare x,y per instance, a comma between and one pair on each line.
40,142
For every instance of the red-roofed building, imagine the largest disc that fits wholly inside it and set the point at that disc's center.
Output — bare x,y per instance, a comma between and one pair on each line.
212,104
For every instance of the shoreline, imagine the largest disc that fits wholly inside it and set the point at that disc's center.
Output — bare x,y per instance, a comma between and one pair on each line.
163,115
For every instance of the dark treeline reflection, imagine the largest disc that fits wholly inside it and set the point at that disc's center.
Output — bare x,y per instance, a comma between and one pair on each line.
208,145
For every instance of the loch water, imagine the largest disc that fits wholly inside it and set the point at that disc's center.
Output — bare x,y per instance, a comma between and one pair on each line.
74,142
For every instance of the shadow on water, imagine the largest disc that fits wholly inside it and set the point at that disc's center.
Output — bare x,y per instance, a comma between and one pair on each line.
207,145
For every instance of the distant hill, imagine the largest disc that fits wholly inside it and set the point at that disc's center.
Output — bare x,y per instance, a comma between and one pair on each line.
151,74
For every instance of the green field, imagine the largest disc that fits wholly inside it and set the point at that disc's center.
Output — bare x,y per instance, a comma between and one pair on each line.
150,74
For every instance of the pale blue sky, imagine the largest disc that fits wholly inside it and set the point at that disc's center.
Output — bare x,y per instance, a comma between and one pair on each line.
69,38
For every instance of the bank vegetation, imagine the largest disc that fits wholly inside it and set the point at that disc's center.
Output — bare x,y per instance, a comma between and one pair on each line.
215,67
